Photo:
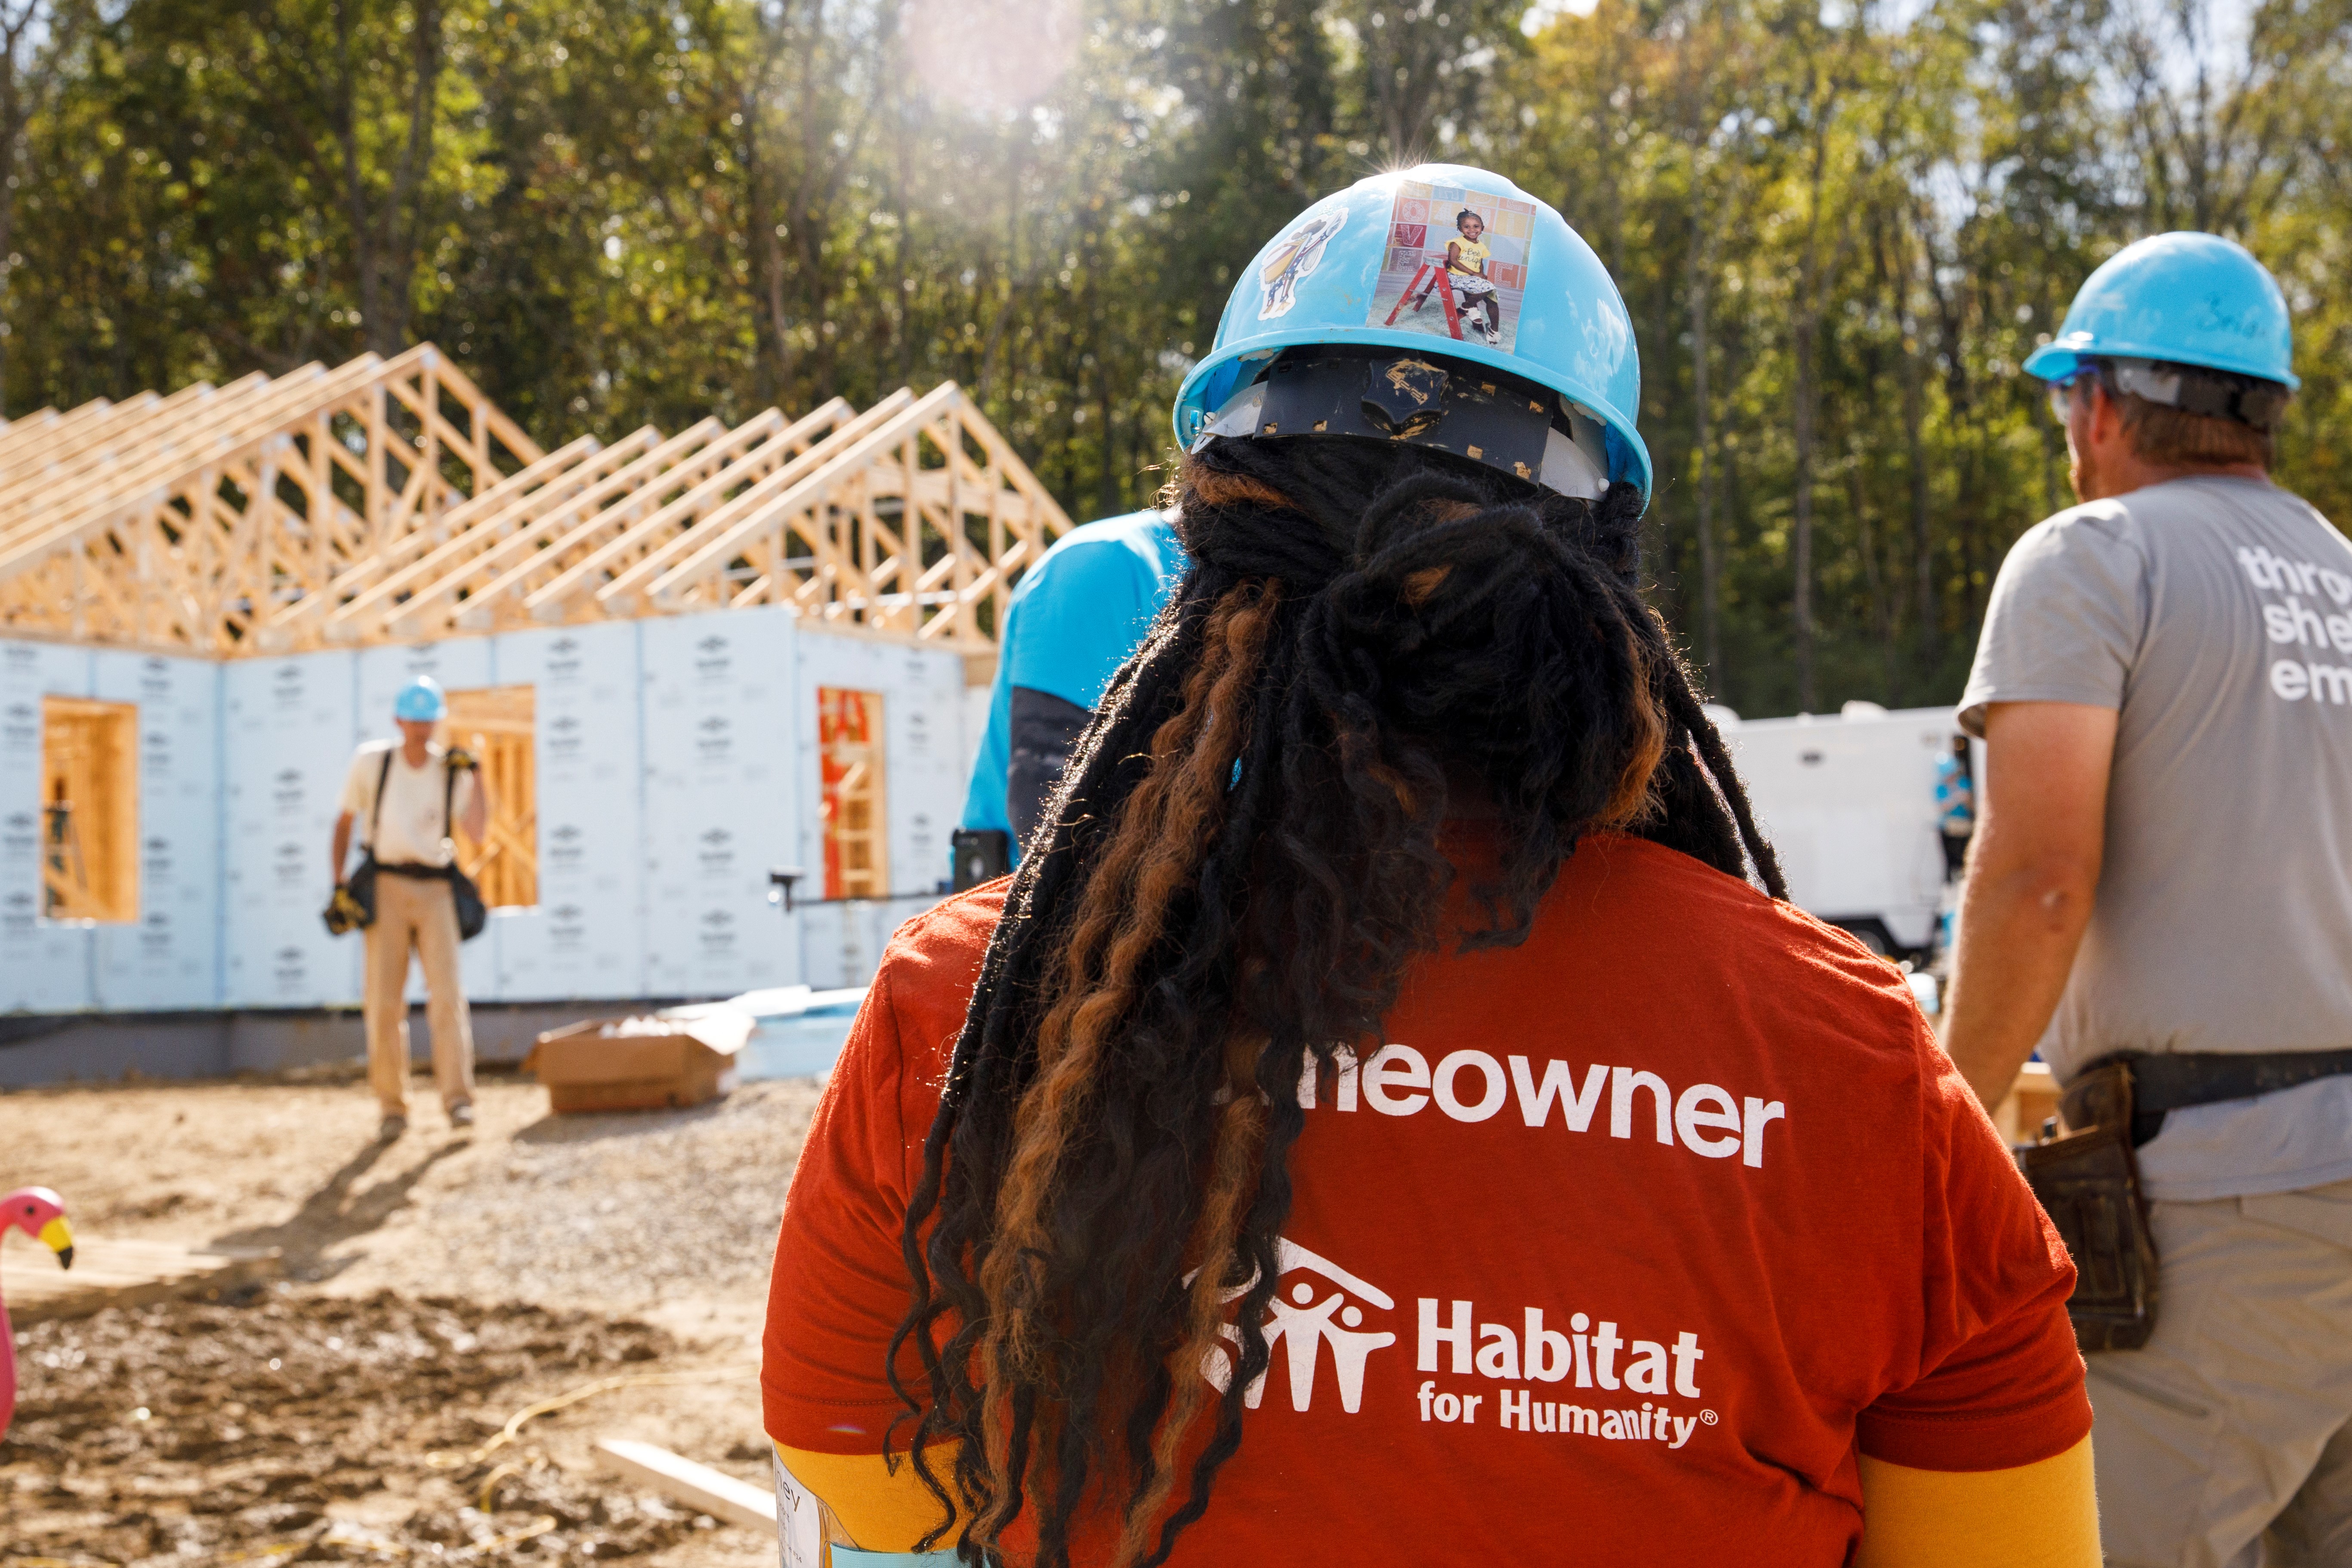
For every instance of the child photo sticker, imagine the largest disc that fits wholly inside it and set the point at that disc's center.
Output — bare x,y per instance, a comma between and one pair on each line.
1456,264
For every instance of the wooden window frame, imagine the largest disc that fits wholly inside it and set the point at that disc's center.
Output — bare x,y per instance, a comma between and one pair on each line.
498,724
90,811
854,782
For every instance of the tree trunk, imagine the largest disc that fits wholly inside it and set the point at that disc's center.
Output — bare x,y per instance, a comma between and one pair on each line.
767,250
27,77
1875,577
1811,283
384,243
903,316
1914,446
12,134
1710,561
1800,546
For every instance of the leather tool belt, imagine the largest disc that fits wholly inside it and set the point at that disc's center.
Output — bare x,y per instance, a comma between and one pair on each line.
2088,1178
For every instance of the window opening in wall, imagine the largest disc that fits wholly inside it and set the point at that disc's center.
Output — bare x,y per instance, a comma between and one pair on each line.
496,725
849,737
89,810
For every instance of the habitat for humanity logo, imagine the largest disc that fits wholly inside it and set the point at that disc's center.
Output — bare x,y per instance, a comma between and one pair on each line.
1299,1327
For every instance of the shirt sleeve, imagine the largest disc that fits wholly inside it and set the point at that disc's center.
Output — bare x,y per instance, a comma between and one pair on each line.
2064,620
2000,1382
1083,621
839,1288
359,784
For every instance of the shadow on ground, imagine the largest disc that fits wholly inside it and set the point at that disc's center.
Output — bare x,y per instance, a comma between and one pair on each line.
341,1210
593,1127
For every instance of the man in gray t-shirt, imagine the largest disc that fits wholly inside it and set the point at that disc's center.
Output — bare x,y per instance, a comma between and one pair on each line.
2164,865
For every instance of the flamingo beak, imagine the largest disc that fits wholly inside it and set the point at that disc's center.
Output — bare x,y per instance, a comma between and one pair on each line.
58,1236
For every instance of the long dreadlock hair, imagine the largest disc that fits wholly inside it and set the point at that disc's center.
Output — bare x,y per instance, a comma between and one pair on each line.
1243,856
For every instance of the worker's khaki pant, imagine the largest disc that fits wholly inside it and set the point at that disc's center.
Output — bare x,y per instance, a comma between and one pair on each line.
2226,1442
413,913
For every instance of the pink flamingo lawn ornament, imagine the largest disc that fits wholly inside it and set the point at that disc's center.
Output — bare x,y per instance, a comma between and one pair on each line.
41,1214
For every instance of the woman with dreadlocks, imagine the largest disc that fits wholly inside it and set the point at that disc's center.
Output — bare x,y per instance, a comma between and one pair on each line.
1393,1113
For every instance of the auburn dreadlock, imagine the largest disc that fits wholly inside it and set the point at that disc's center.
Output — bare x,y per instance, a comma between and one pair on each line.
1243,857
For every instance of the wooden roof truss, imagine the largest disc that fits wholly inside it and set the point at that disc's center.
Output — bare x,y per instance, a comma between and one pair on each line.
391,502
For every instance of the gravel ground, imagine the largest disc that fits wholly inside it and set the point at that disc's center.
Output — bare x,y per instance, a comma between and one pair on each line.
650,1232
619,1211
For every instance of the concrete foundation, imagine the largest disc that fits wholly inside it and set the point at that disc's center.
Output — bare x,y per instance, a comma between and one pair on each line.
87,1047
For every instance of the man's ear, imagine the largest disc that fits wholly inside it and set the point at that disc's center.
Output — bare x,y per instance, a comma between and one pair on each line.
2107,415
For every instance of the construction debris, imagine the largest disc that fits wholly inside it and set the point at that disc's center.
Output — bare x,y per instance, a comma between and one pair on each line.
690,1484
108,1272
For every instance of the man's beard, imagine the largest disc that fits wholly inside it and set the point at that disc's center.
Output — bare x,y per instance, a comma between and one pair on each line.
2082,473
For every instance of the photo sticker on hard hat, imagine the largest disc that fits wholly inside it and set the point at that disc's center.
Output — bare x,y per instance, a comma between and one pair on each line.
1456,264
1296,256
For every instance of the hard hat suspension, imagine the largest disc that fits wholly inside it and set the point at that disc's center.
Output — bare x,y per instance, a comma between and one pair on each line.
1471,410
2215,393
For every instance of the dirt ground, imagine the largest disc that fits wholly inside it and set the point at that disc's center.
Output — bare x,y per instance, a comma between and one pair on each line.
435,1286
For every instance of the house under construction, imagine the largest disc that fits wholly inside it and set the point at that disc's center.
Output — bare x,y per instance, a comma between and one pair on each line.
684,659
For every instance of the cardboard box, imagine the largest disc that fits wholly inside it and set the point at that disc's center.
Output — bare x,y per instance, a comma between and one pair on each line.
682,1056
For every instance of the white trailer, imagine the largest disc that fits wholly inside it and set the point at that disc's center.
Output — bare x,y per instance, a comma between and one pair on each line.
1849,803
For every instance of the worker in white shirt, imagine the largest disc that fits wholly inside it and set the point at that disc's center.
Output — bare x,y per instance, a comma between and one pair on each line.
406,794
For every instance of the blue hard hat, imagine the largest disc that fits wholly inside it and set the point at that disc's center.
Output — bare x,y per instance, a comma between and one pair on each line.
421,701
1359,268
2182,298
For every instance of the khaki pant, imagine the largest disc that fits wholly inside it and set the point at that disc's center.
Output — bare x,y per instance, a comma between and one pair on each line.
413,913
2227,1441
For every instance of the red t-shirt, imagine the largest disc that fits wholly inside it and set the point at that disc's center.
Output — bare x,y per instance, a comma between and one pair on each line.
1629,1239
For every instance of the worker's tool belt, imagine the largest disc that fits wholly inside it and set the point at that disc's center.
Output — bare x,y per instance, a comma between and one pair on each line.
471,913
2173,1082
2088,1179
354,906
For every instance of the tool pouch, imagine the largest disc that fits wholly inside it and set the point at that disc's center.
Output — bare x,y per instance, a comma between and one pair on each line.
2088,1183
472,915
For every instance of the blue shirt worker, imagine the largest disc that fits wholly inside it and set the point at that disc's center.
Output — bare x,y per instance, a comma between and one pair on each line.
1076,618
2159,899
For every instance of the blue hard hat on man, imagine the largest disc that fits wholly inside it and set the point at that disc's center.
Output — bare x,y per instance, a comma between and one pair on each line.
420,701
2181,299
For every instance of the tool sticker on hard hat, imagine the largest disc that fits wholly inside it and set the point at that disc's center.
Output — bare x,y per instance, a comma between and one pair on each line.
1296,256
1456,264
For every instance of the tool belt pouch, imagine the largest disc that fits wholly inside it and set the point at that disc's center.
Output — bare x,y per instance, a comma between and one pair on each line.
2088,1183
464,895
472,914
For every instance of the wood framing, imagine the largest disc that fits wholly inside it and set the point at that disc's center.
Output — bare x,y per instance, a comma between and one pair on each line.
193,521
89,810
389,500
495,724
856,839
